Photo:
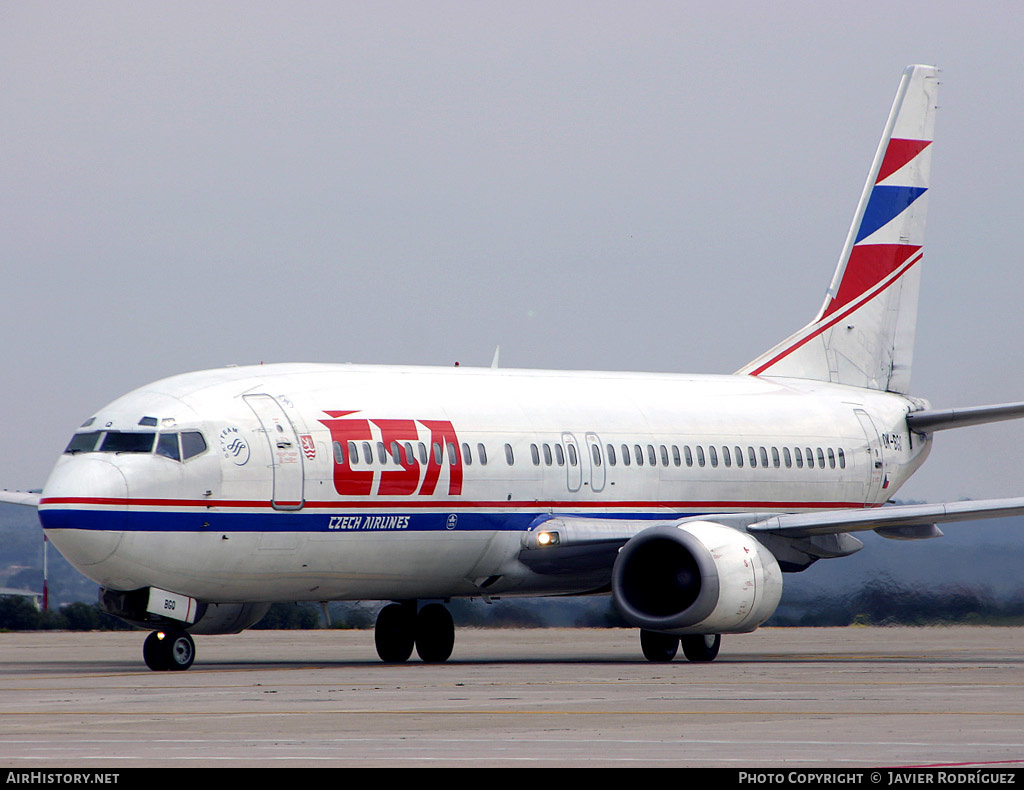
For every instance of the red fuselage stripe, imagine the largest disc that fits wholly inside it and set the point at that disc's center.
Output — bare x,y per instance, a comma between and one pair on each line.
532,505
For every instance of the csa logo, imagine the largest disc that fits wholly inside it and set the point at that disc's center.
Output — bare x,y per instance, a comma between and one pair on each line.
234,446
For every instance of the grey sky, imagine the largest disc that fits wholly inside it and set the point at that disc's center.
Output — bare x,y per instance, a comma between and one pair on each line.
649,186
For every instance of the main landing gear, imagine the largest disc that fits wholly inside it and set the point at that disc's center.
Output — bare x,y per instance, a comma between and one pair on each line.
696,647
169,650
400,627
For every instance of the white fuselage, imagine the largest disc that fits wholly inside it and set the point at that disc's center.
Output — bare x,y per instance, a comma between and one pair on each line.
329,482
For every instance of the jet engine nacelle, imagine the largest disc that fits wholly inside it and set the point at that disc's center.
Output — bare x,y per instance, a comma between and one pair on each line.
696,578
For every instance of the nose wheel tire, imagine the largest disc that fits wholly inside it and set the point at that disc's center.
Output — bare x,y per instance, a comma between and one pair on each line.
169,650
701,647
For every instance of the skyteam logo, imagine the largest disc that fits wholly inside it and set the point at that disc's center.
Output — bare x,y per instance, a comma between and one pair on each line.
234,447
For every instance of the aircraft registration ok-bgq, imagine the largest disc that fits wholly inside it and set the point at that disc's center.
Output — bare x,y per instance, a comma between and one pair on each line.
197,500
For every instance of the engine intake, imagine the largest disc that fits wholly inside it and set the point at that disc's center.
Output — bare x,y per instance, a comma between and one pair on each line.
696,578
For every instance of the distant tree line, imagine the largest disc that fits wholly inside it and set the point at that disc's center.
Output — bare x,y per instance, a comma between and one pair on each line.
880,601
18,613
886,601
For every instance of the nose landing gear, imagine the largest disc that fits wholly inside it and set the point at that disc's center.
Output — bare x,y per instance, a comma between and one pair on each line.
169,650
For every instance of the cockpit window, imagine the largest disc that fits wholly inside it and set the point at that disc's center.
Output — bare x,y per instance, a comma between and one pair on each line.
83,442
127,442
171,444
192,443
167,446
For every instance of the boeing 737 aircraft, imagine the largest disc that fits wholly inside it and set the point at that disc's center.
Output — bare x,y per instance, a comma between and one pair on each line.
195,501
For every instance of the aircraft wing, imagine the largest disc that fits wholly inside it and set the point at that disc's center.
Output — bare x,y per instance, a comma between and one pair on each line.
26,498
889,520
571,544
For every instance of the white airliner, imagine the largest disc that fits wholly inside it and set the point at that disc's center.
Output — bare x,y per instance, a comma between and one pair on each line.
195,501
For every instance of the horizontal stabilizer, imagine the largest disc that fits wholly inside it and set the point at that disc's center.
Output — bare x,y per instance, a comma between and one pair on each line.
801,525
943,419
27,498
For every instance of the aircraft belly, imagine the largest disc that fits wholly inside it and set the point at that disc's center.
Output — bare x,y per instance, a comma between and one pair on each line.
238,566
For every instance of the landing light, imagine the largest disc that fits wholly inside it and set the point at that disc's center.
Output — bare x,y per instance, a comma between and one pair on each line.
547,539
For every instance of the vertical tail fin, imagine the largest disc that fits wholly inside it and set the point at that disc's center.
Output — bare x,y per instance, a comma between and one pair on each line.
864,333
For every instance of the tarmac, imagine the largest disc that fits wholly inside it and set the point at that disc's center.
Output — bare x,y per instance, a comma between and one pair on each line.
794,697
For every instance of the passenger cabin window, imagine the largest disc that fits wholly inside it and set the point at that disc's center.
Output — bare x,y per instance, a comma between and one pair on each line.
481,453
611,454
509,459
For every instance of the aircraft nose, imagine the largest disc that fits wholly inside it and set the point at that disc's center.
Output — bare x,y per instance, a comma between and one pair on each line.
83,509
